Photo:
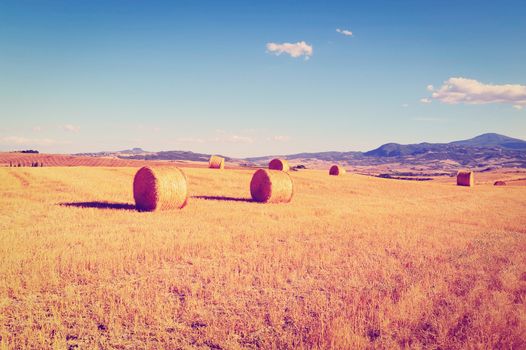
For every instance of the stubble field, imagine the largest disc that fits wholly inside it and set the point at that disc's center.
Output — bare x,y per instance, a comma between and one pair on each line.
352,262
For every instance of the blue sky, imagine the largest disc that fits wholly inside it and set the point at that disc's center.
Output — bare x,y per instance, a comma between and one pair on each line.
79,76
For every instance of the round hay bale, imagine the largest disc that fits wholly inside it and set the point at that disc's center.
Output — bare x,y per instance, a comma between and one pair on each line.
216,162
279,164
271,186
337,170
499,183
160,189
465,178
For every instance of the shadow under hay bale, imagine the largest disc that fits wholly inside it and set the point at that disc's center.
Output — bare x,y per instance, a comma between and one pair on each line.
160,189
279,164
465,178
99,205
216,162
271,186
337,170
499,183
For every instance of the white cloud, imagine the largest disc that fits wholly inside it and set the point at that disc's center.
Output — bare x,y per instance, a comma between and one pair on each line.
70,128
458,90
24,141
279,138
295,50
425,100
239,139
344,32
518,107
225,137
430,87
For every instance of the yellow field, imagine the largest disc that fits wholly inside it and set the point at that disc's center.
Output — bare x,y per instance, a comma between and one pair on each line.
352,262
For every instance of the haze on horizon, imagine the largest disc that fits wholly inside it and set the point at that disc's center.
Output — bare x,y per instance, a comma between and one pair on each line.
243,79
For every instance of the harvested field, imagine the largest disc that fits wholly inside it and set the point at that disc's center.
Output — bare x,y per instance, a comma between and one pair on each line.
362,262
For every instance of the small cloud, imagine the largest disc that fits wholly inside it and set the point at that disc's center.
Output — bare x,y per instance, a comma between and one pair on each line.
458,90
344,32
405,105
36,128
295,50
24,141
430,87
279,138
240,139
518,107
223,136
70,128
425,100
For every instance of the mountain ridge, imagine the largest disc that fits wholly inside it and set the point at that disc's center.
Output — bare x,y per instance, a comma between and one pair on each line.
485,150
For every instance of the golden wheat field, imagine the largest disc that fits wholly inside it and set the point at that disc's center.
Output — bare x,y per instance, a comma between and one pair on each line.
353,262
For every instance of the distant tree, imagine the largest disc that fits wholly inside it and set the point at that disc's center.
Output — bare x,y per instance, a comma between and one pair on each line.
10,164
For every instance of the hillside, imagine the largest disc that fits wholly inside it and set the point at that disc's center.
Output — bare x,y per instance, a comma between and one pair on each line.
487,151
482,152
140,154
492,140
15,159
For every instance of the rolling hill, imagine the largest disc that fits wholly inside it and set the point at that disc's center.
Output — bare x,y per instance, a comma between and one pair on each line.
487,151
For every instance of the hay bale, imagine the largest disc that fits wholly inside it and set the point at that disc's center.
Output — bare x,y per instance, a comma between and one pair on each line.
160,189
271,186
279,164
499,183
216,162
465,178
337,170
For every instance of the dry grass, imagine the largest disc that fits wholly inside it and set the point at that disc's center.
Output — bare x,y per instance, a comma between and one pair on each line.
356,262
47,160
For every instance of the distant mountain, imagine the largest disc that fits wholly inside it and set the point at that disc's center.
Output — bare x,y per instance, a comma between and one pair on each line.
485,141
173,155
398,150
140,154
492,140
124,154
484,151
487,150
135,150
325,156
